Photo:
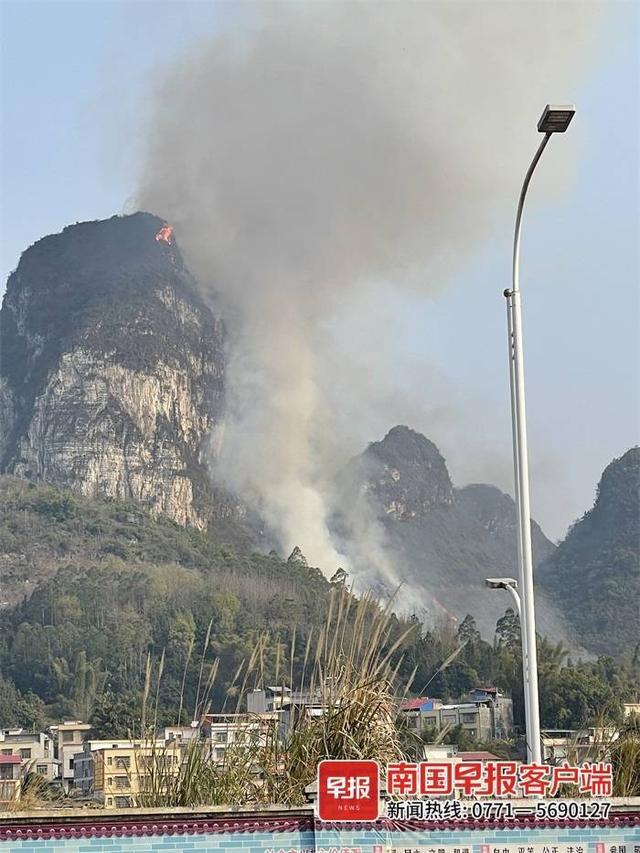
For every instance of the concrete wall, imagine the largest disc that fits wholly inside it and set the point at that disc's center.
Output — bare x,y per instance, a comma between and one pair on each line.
103,835
353,842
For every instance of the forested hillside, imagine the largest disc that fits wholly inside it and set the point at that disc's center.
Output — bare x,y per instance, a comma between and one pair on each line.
594,575
113,587
445,540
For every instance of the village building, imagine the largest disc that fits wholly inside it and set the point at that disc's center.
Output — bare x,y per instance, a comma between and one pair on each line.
486,714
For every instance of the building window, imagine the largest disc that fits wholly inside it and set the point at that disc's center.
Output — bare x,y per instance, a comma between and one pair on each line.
41,769
6,752
110,781
71,764
220,754
67,737
122,782
123,761
123,802
6,771
221,737
468,718
109,801
109,760
25,753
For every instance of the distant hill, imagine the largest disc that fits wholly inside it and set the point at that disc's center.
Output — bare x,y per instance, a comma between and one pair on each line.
594,575
444,540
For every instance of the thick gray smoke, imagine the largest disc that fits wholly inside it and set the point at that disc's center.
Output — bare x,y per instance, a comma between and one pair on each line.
317,154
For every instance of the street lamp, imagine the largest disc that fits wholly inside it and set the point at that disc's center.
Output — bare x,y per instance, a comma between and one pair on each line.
554,119
511,585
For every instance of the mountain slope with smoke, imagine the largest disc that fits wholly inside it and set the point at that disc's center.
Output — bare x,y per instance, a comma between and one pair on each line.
112,383
443,541
314,152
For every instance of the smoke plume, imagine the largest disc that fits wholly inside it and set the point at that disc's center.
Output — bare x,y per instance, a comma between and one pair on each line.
315,155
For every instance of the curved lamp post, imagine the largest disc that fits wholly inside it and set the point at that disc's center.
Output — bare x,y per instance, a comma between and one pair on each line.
554,119
511,586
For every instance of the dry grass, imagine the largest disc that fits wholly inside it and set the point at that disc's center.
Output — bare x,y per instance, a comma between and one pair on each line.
348,671
622,751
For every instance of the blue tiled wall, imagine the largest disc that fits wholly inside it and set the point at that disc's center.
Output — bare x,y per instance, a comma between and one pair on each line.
294,842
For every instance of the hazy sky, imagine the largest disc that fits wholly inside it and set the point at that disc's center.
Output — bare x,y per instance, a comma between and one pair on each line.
75,82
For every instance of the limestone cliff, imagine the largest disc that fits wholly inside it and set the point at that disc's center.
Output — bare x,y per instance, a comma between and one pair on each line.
111,368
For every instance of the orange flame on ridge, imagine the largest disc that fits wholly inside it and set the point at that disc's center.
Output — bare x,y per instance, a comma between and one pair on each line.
165,234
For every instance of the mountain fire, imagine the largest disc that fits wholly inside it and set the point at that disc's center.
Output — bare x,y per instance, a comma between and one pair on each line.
165,234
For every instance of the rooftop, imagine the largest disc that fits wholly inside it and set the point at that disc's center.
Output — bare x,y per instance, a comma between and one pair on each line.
415,704
71,724
482,755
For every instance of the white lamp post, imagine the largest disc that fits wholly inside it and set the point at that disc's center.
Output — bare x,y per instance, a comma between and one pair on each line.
511,585
554,119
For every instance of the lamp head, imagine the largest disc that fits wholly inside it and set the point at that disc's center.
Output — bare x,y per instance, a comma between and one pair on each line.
501,583
556,119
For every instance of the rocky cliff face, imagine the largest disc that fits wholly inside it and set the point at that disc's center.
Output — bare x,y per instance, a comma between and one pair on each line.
404,474
111,368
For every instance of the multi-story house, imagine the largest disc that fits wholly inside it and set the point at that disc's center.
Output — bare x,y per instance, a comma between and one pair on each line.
224,731
10,772
501,708
286,704
115,755
30,746
34,749
577,745
122,774
182,734
68,738
117,772
84,763
268,699
485,715
83,772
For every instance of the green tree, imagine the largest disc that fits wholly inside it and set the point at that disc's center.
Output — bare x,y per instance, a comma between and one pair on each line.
508,630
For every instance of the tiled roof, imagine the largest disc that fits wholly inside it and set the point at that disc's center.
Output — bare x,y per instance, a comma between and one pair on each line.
160,822
415,704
